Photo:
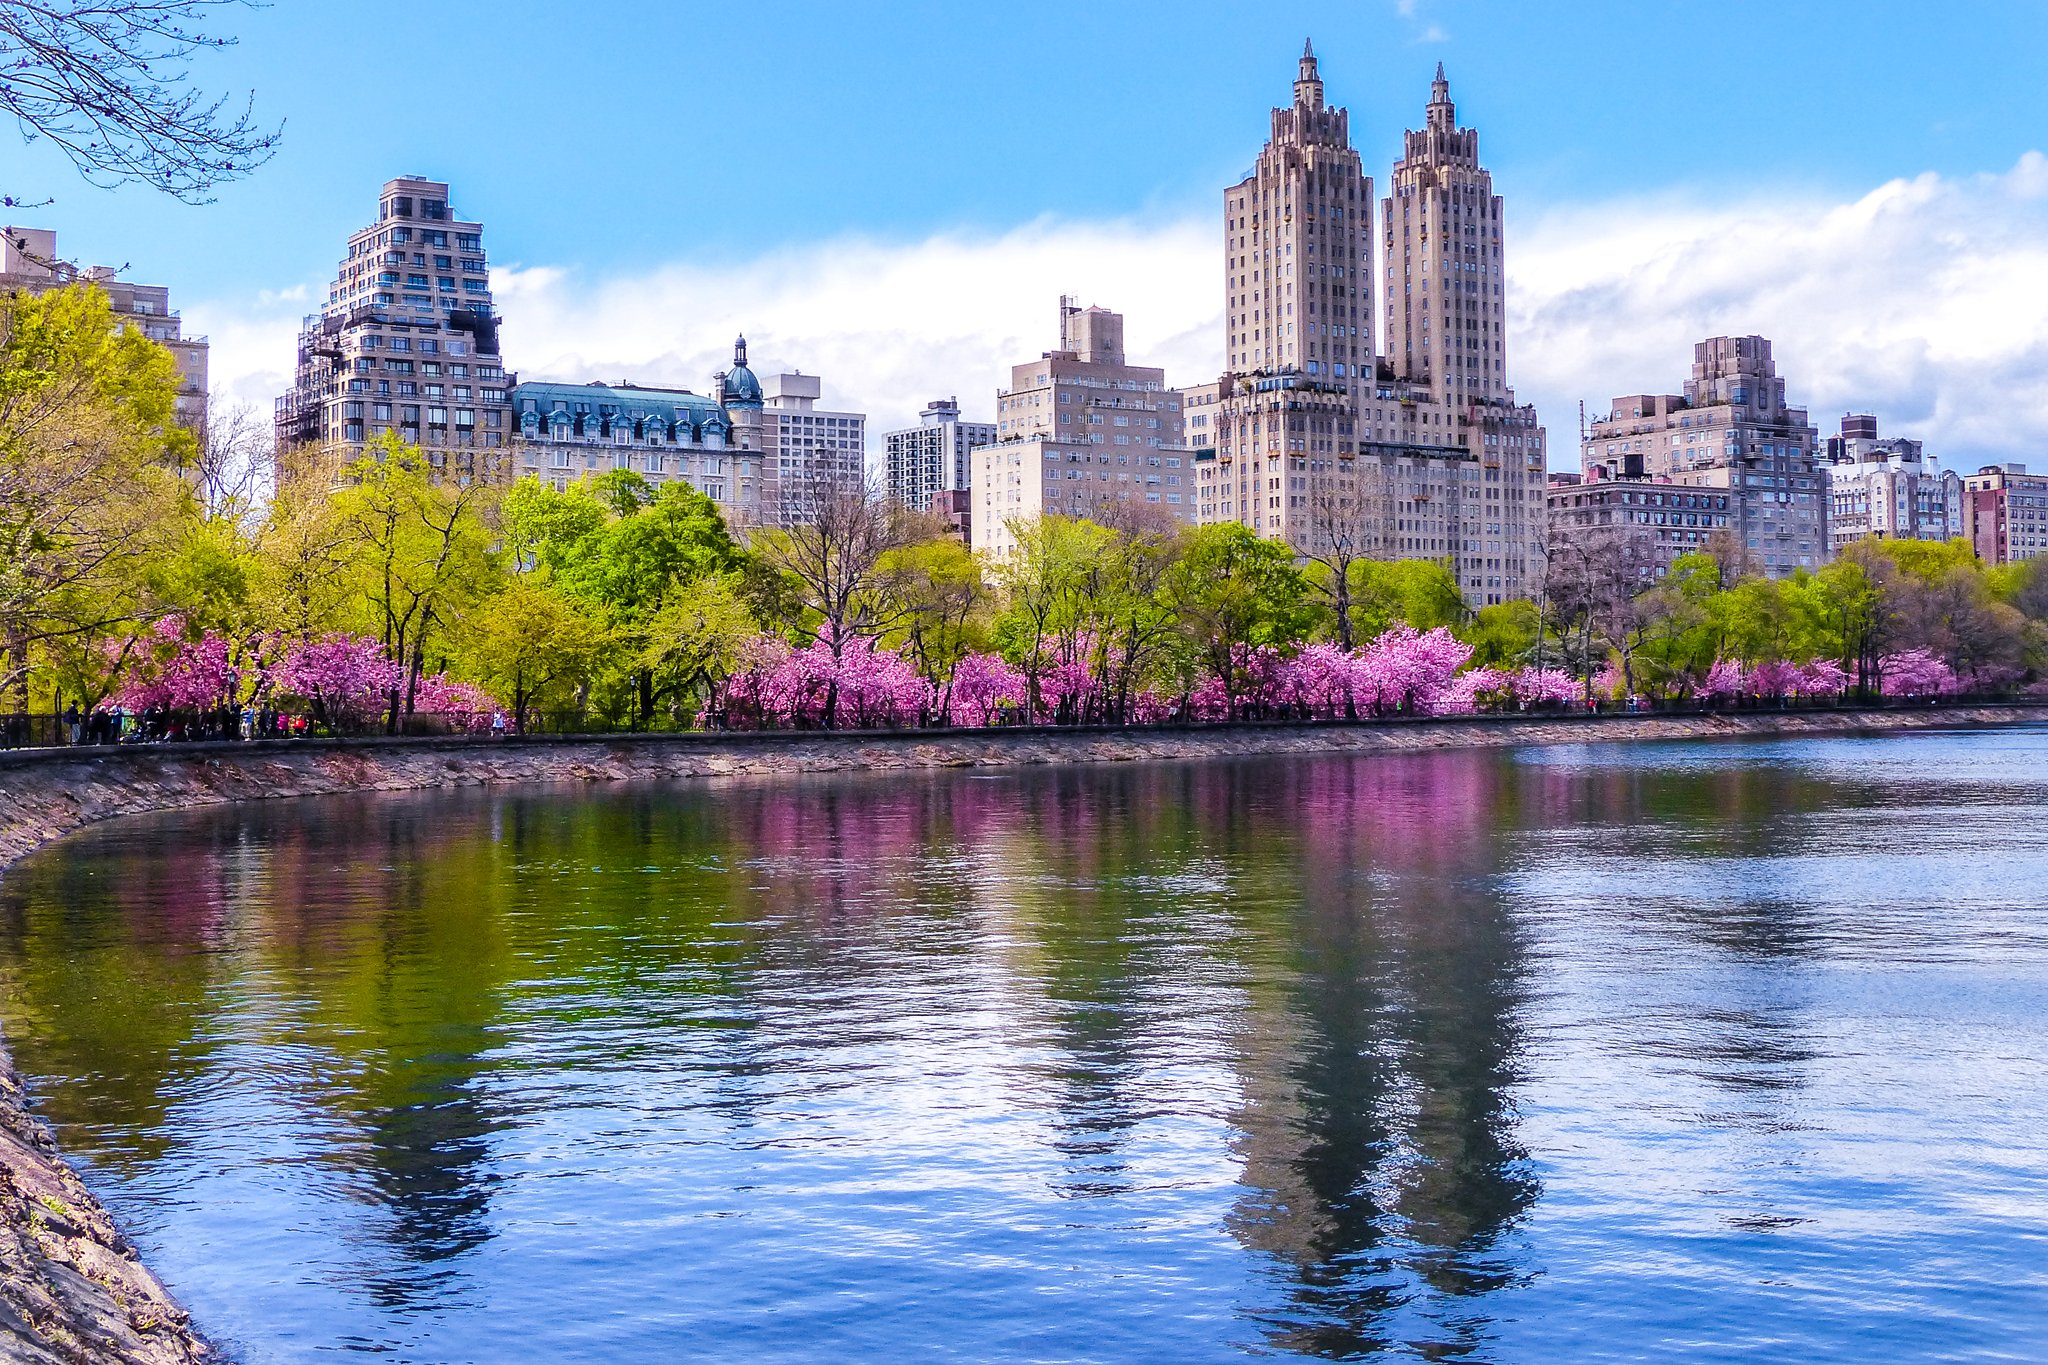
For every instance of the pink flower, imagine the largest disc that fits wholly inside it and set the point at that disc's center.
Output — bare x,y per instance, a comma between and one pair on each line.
1538,685
1822,678
346,679
1724,679
984,685
1915,673
465,706
1771,680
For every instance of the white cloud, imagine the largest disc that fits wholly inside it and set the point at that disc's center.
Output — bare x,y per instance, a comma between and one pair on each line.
888,326
1919,301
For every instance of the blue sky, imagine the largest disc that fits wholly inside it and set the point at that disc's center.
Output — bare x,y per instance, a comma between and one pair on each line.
611,144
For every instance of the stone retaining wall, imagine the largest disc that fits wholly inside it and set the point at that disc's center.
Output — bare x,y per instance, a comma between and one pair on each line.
71,1289
47,793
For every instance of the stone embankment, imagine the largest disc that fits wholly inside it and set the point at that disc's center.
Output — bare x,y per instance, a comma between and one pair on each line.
71,1289
47,793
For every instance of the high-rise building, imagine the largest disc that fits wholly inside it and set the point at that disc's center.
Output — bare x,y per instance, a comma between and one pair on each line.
29,264
407,342
805,451
1886,487
1314,440
1446,300
1730,429
923,462
1088,392
2005,513
1082,432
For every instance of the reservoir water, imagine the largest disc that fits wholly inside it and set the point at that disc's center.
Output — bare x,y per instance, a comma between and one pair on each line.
1714,1051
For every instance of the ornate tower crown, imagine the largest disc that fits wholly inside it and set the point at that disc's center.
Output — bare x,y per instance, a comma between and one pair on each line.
1308,83
1442,113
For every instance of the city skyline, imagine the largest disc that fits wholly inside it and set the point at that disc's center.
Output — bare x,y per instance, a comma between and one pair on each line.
1823,242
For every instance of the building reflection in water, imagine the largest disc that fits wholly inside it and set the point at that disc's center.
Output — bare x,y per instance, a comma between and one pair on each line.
1307,967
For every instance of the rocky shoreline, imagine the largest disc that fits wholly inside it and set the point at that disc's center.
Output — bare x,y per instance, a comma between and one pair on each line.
72,1289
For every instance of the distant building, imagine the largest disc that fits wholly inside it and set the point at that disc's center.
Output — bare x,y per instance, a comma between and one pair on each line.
1730,430
1017,481
1665,518
568,432
2005,513
1201,415
804,450
29,264
931,458
957,507
1082,432
1087,391
407,342
1887,487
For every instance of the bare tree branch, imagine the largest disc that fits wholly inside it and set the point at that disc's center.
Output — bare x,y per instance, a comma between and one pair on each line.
106,82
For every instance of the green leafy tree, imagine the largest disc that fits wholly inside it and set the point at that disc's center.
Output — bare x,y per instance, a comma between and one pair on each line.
1422,593
1234,592
420,553
696,642
624,549
535,648
90,493
940,604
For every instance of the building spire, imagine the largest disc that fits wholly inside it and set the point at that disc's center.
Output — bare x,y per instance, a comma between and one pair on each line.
1308,82
1442,113
739,350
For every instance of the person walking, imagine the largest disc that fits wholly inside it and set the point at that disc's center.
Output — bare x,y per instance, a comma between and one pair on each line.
71,723
497,725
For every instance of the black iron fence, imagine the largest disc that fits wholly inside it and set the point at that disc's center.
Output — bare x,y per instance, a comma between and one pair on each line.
42,731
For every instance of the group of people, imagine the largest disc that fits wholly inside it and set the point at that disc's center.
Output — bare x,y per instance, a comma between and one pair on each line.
119,725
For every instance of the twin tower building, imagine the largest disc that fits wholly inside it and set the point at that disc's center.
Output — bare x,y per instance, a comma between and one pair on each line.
1344,441
1401,444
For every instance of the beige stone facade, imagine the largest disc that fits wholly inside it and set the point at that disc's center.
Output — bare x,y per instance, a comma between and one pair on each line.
569,432
29,264
1662,518
407,343
1312,439
1731,429
1017,481
1886,487
1082,432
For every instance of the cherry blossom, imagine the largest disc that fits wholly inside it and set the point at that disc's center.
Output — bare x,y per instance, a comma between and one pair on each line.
1915,673
984,687
346,680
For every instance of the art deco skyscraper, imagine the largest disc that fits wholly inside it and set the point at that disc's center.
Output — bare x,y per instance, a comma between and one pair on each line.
1298,275
1298,237
1418,454
1446,300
